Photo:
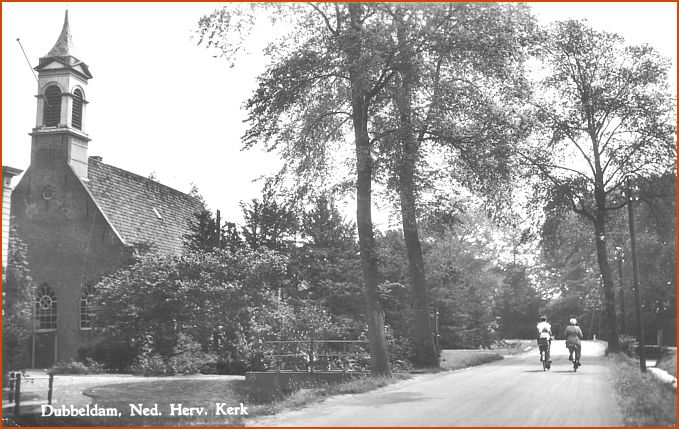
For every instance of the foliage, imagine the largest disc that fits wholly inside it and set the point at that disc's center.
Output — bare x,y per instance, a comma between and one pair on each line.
188,358
206,297
628,345
17,302
655,222
606,113
204,234
269,223
89,366
464,281
296,325
518,305
569,258
113,356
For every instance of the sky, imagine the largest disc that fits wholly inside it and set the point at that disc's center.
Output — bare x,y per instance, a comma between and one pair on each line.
160,104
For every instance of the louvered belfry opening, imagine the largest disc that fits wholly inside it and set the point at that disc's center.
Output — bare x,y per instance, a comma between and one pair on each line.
52,111
77,121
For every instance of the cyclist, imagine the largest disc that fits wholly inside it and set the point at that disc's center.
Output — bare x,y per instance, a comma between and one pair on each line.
573,335
545,339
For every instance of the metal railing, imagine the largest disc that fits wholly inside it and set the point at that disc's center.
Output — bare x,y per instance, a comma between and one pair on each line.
315,355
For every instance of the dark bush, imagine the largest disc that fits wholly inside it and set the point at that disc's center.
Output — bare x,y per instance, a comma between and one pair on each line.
114,357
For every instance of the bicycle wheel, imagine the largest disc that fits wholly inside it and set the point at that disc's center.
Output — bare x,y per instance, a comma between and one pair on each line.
575,365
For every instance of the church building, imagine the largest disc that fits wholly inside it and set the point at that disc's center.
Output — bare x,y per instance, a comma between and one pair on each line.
79,217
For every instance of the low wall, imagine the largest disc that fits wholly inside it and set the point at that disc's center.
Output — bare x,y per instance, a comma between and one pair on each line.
273,384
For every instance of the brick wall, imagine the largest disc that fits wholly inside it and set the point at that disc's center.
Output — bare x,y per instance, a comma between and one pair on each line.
68,242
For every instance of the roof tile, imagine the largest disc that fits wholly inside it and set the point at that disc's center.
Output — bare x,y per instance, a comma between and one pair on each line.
128,201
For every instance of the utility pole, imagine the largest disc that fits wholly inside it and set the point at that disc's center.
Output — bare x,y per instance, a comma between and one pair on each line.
436,329
619,255
635,270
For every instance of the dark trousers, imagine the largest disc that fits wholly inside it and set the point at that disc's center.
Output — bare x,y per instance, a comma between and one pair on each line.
575,347
544,344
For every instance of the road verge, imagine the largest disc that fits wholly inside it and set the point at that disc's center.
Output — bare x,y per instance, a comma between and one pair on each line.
643,400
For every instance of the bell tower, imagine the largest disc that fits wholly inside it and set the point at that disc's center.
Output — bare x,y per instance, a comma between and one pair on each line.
59,135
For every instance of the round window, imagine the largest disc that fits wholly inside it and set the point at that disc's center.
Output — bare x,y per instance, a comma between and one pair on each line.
47,192
45,302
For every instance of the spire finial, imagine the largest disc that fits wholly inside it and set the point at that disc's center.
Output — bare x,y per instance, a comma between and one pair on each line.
64,45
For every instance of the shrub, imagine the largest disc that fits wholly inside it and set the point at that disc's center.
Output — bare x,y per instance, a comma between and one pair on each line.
189,358
113,356
628,345
149,364
207,296
90,366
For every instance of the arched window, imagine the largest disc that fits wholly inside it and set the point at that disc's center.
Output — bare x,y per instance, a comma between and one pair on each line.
52,111
45,308
86,308
77,121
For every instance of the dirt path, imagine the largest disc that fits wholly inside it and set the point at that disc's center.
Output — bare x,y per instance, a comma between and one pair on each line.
511,392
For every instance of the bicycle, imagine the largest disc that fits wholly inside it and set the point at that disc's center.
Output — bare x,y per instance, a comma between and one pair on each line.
576,363
545,345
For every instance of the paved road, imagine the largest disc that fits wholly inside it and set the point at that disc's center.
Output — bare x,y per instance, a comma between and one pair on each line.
511,392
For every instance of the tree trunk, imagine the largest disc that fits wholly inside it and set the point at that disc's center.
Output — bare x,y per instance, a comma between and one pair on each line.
364,165
425,352
600,218
605,269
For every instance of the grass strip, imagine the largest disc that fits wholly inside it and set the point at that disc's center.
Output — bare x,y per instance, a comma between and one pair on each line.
643,400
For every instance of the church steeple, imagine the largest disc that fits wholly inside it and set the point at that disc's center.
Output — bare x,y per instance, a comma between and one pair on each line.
64,52
64,45
61,104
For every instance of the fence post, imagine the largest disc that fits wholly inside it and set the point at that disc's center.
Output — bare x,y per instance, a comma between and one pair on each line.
11,386
17,395
49,389
311,357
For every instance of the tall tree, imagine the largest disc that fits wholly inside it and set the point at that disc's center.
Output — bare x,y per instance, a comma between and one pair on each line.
437,49
610,115
322,84
350,61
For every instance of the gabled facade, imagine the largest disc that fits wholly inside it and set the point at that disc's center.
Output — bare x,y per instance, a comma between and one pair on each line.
78,217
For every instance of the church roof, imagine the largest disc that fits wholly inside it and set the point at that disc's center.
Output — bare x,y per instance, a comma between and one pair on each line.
142,210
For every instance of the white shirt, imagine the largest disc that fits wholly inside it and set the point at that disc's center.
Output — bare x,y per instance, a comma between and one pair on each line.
541,330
